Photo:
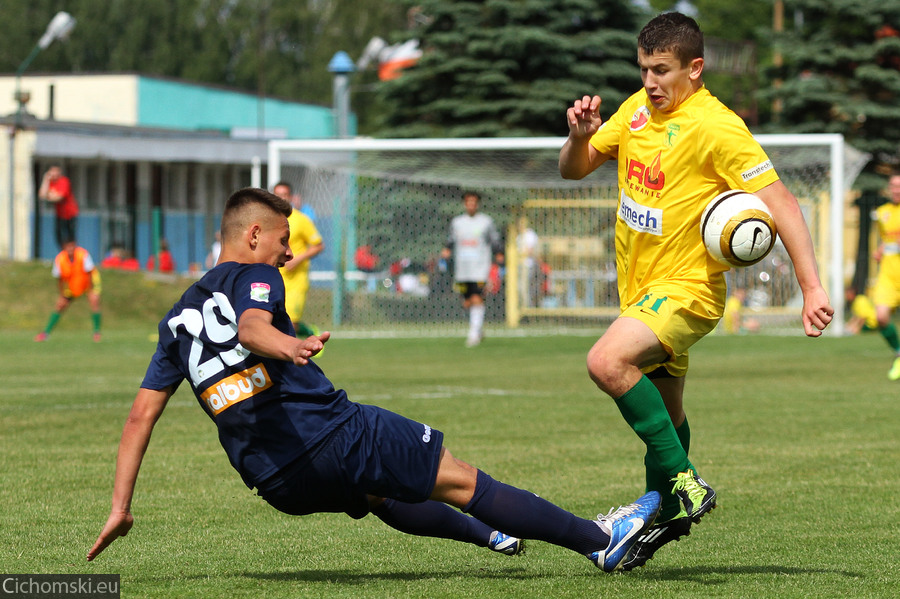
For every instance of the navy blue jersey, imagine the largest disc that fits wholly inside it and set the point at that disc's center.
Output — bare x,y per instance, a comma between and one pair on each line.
269,412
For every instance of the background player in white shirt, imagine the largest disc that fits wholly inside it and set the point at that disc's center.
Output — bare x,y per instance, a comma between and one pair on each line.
474,244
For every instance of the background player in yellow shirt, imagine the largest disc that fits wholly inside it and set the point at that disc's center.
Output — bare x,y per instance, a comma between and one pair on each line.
306,243
677,147
886,294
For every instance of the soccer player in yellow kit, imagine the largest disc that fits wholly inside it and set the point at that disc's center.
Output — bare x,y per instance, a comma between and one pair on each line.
306,243
676,147
886,294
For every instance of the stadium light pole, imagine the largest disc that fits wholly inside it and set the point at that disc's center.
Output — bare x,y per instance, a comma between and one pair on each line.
59,28
341,66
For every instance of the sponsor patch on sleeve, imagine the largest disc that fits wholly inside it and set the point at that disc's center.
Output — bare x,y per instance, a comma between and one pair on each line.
259,292
757,170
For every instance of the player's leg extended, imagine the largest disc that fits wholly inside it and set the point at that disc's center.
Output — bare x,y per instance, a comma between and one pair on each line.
671,390
436,519
525,515
614,364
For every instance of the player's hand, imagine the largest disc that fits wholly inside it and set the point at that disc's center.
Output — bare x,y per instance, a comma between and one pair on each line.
583,117
117,525
309,347
817,312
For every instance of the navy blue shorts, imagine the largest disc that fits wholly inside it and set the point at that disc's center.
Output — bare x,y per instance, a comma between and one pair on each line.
376,452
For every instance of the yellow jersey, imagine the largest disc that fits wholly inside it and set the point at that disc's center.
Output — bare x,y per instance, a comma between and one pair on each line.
303,235
887,285
670,165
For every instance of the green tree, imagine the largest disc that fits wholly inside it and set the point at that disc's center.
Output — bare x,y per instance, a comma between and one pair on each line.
510,67
275,47
841,74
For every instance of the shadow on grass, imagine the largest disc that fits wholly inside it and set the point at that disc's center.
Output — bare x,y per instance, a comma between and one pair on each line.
707,574
699,574
353,577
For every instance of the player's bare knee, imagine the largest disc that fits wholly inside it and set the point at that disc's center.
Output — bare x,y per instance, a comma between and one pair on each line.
602,366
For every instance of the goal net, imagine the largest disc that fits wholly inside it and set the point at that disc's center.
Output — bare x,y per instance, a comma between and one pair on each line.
384,208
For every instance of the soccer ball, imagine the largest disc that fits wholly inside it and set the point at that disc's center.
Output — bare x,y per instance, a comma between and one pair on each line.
737,228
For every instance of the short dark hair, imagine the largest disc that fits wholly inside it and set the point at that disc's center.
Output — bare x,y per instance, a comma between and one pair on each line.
249,196
471,193
285,184
672,32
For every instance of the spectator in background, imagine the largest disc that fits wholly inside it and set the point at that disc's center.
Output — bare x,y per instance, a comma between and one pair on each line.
474,244
57,189
529,273
365,259
76,275
166,262
114,258
215,249
306,243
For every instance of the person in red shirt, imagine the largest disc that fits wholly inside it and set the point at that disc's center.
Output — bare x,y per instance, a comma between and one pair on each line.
166,262
56,188
76,275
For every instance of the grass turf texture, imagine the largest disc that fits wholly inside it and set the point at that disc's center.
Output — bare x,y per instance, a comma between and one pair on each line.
799,438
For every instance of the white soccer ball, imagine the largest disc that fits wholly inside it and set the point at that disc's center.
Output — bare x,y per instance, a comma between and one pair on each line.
737,228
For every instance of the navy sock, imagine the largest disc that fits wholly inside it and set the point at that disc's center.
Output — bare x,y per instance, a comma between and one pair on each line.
433,519
525,515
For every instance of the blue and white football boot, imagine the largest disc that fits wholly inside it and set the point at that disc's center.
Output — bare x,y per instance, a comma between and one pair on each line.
505,544
624,527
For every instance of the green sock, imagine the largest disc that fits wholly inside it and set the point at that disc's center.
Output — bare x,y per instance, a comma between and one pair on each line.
54,318
658,480
95,318
890,335
643,409
304,331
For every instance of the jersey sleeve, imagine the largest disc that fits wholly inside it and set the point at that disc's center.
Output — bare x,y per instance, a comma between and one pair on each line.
88,262
259,286
736,156
307,230
606,139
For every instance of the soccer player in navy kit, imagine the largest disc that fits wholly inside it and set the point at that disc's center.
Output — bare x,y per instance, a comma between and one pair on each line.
301,443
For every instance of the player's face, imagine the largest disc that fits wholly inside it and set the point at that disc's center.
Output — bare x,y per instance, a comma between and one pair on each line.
894,188
282,192
274,247
668,83
471,203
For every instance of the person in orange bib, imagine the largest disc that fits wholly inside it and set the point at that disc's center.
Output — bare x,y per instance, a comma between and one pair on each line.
76,275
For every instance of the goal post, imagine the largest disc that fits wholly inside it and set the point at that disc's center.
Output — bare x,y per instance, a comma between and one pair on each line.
390,201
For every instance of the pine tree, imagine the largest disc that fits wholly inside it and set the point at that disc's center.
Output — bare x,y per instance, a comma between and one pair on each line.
511,67
841,74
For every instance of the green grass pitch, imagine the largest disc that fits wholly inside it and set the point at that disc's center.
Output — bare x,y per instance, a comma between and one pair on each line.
800,438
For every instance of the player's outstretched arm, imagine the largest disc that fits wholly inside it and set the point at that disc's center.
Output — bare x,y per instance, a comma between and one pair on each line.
817,310
256,333
145,411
